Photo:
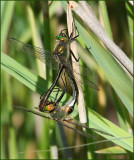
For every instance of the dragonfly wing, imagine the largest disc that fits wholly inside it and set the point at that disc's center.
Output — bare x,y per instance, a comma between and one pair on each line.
44,56
74,122
76,130
85,78
49,58
71,71
83,68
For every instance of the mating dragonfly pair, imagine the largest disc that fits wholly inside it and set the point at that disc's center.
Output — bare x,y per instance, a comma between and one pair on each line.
59,58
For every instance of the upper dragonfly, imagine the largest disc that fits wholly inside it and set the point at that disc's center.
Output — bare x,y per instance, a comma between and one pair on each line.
60,55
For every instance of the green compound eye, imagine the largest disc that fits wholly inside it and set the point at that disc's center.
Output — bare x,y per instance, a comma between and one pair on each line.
58,37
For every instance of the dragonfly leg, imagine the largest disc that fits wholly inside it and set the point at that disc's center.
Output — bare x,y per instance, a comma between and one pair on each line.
61,96
56,94
63,30
54,90
57,89
77,60
71,35
42,95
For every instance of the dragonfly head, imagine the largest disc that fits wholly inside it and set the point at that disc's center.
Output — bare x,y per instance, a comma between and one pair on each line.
47,107
62,37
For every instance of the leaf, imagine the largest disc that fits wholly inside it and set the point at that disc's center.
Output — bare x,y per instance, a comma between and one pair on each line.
112,150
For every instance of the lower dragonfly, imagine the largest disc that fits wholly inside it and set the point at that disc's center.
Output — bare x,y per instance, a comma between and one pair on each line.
60,55
68,108
61,114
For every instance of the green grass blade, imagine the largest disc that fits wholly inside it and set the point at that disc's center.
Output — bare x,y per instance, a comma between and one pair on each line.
6,21
130,17
106,18
112,150
121,110
98,122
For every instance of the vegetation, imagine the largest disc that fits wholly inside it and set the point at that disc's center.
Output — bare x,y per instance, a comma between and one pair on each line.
24,135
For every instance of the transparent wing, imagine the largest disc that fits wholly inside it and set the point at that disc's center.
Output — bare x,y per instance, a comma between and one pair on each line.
48,58
74,122
83,68
70,71
76,130
59,121
44,56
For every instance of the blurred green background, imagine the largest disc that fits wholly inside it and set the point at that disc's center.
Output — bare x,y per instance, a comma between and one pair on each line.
38,23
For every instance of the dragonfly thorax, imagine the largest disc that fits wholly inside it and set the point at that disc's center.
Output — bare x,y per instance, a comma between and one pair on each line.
60,49
58,113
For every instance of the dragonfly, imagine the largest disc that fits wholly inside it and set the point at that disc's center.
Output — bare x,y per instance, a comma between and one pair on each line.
60,55
57,113
61,114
